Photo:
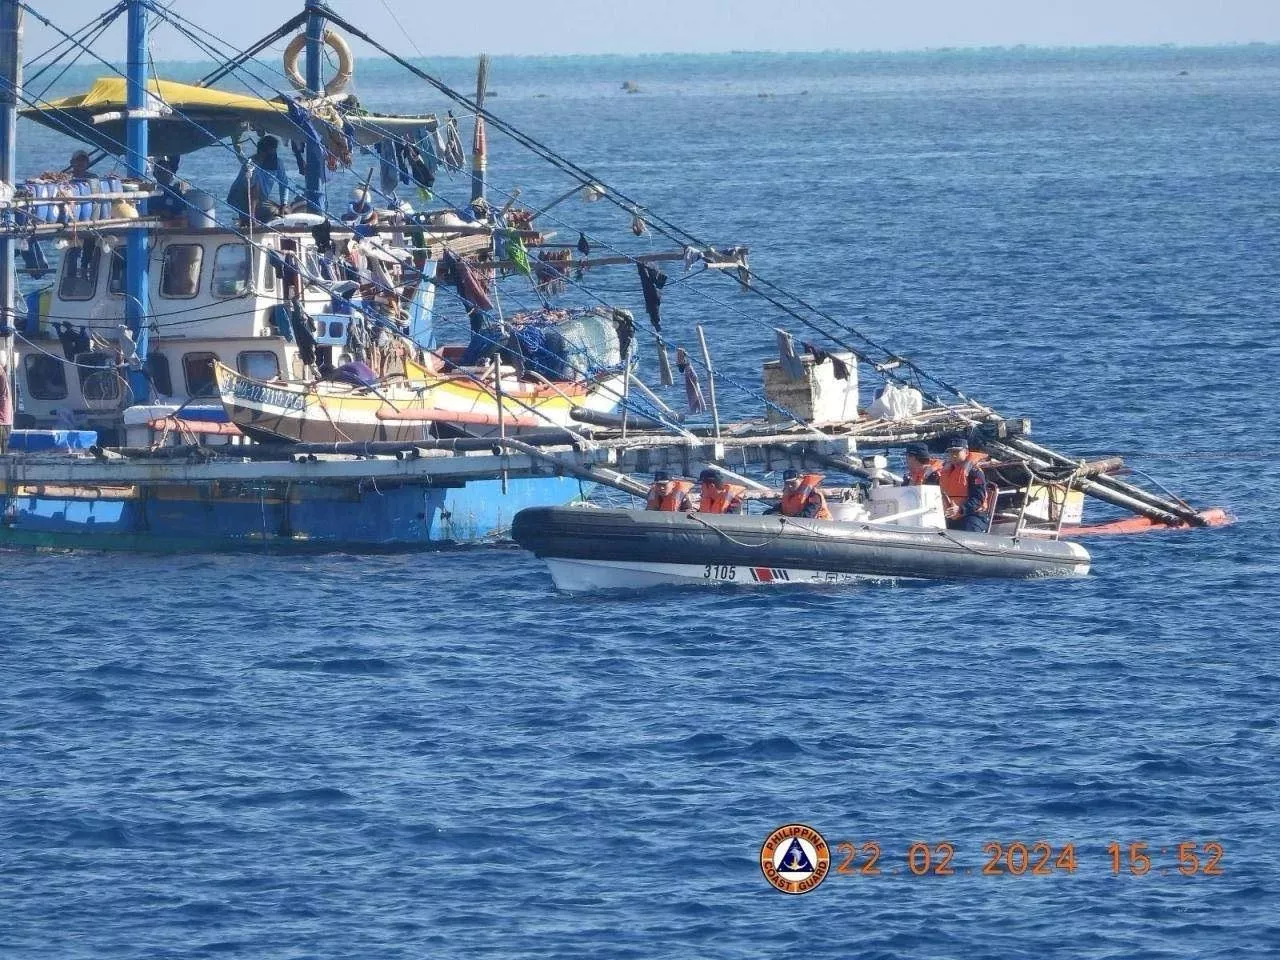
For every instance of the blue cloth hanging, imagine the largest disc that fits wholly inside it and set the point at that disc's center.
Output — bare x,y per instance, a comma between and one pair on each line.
388,169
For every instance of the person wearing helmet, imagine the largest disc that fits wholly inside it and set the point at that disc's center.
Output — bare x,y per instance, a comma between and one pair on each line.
966,495
669,495
716,496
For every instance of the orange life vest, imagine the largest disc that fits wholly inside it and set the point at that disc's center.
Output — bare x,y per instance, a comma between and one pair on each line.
953,478
719,499
915,475
794,501
674,498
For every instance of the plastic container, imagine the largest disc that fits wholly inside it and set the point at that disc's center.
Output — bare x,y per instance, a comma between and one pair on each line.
200,212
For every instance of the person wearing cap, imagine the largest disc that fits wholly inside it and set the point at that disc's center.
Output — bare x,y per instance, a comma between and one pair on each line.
263,173
716,496
966,495
669,495
801,496
919,465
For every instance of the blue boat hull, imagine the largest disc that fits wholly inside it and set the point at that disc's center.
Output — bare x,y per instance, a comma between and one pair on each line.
302,518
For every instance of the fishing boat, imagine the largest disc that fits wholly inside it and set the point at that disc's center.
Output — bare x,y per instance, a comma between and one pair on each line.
464,400
282,375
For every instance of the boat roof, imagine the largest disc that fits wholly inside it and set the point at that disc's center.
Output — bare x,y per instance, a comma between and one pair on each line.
194,117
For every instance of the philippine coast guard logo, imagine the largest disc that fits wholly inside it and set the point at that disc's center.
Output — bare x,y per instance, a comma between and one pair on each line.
795,858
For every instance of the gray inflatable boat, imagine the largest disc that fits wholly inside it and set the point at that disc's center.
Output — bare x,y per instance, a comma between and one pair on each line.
589,549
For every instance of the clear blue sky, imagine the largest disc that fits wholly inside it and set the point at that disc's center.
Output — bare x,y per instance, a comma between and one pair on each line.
721,25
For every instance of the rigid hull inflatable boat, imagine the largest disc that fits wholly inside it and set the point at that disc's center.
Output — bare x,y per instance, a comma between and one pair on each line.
588,549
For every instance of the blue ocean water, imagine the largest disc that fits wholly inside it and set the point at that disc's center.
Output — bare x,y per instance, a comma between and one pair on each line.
438,755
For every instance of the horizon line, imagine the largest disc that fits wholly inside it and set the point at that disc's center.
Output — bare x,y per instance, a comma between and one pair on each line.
964,49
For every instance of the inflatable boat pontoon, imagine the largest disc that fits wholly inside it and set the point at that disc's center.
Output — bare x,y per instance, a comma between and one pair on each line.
589,549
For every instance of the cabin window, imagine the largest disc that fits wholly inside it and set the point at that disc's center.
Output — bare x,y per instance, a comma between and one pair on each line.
80,271
157,371
115,276
231,270
259,364
198,370
46,378
180,272
99,381
266,274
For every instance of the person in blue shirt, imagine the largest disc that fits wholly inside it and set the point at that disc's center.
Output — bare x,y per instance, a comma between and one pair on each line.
261,175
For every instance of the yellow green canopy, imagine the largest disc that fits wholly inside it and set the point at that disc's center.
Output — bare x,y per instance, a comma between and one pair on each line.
193,117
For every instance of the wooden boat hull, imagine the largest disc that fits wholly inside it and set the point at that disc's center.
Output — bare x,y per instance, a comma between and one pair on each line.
405,413
589,549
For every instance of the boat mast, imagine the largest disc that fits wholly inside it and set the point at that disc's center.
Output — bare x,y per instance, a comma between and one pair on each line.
11,57
316,11
137,272
479,147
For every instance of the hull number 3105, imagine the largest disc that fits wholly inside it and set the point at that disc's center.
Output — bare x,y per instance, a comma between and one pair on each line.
718,571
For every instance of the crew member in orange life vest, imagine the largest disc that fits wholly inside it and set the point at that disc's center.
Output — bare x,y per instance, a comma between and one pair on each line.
919,465
667,494
966,495
718,496
801,497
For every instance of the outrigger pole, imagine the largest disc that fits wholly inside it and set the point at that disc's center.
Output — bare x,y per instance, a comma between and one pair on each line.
11,57
137,261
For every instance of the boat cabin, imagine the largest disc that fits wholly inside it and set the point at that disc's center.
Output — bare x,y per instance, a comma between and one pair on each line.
213,297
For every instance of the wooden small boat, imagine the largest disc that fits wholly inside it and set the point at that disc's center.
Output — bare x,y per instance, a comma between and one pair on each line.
589,549
404,410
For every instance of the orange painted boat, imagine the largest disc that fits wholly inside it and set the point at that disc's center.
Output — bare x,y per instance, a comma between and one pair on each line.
1213,517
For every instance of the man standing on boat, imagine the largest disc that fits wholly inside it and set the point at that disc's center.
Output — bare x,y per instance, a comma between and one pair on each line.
966,495
716,496
262,173
669,495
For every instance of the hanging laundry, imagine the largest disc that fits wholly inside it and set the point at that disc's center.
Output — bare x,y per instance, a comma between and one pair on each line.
625,325
664,364
584,247
691,256
302,120
388,171
428,153
470,287
839,368
652,280
302,332
692,388
516,252
299,148
792,366
452,152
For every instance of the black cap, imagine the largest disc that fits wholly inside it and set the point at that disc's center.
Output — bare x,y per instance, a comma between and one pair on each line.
660,475
709,476
790,474
918,450
269,143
